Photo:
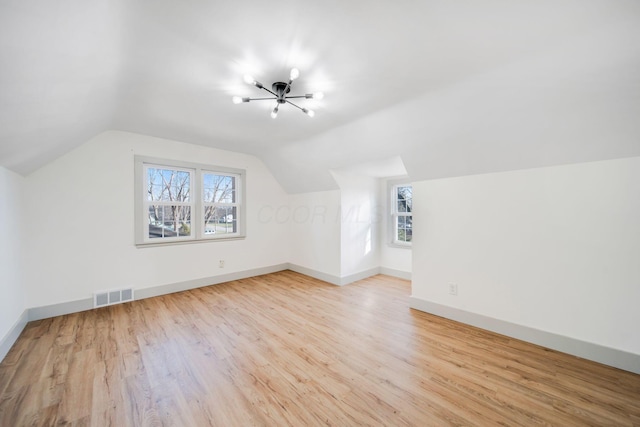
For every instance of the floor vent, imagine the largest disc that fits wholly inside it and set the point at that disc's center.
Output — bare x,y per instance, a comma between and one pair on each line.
115,296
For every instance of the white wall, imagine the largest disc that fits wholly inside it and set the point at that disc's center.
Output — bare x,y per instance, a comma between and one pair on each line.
397,259
81,211
342,235
359,223
313,224
556,249
13,295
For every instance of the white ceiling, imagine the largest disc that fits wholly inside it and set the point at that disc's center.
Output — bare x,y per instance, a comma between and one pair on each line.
452,87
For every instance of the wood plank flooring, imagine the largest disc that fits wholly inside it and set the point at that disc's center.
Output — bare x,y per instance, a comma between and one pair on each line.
287,350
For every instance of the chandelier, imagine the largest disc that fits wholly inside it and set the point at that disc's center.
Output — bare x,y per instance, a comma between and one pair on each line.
280,91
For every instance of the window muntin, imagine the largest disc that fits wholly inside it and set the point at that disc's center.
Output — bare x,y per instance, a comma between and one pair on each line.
402,214
182,202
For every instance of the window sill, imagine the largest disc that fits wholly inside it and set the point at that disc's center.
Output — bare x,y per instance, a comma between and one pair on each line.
187,242
399,245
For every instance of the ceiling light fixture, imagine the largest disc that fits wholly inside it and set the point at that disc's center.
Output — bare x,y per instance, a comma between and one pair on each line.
279,92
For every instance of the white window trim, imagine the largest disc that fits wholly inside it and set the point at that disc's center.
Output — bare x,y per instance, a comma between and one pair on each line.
392,185
197,211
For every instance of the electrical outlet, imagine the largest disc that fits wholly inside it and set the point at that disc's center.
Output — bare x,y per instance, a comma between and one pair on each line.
453,289
221,263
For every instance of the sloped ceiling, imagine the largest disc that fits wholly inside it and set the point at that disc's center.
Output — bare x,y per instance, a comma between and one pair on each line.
452,87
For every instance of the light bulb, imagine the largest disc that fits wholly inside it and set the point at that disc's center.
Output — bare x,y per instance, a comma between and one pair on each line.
237,100
317,95
248,79
294,74
309,113
274,113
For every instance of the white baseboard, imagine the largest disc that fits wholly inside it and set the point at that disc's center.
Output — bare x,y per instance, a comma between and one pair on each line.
206,281
586,350
345,280
44,312
406,275
10,338
335,280
60,309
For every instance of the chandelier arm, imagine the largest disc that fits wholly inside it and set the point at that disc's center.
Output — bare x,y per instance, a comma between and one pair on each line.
289,102
272,93
260,99
286,89
309,113
296,96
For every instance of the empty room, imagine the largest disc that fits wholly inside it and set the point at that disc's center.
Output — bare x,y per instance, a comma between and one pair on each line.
237,213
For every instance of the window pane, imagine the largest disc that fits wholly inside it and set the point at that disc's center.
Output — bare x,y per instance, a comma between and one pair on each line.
220,220
405,191
210,219
404,234
169,221
168,184
404,198
154,192
219,188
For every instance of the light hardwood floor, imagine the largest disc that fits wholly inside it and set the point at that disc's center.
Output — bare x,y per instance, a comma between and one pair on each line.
284,349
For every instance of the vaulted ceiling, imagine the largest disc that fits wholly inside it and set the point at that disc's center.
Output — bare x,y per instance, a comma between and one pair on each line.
450,87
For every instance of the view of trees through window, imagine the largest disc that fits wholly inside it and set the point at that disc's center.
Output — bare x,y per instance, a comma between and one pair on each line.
169,198
171,203
219,200
178,201
403,213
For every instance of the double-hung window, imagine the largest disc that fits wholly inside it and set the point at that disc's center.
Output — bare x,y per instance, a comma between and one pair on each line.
182,202
402,214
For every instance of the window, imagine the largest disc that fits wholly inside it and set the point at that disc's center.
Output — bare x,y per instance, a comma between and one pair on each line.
402,214
182,202
220,203
168,201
